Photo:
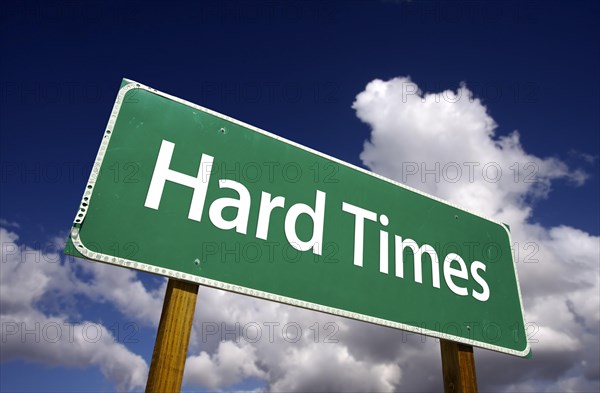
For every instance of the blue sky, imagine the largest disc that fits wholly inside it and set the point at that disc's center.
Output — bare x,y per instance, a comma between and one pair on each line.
295,69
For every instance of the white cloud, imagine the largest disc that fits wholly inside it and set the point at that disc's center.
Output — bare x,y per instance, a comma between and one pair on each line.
33,336
229,365
9,224
31,281
416,137
127,293
331,368
445,144
291,349
586,157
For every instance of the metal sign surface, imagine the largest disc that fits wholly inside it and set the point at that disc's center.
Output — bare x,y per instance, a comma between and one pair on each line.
185,192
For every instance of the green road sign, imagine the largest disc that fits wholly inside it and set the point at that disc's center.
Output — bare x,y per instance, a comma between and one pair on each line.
181,191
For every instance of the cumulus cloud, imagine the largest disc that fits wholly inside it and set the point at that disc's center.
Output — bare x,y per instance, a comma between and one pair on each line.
290,349
128,294
37,320
318,368
229,365
446,144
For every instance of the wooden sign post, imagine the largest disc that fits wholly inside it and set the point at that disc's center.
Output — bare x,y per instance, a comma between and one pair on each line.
458,367
173,337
